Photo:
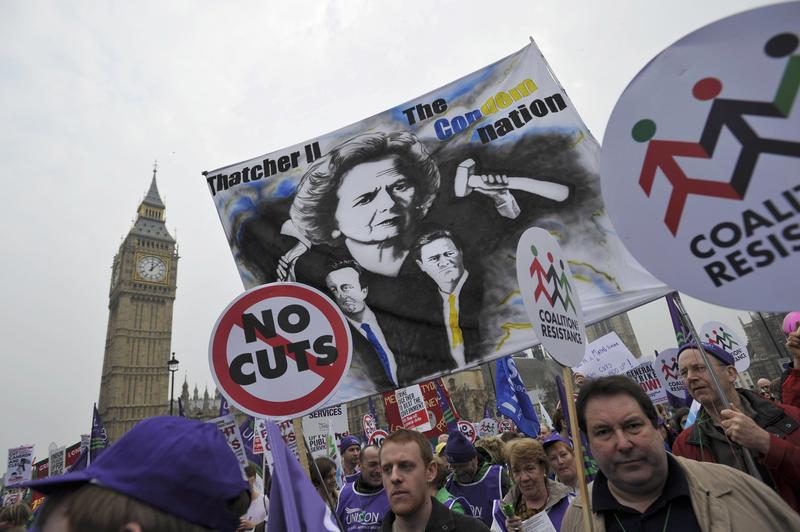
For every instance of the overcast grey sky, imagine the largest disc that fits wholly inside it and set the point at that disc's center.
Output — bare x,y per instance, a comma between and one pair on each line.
93,92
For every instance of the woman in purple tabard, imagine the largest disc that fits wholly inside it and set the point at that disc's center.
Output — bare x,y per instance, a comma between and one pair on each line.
532,492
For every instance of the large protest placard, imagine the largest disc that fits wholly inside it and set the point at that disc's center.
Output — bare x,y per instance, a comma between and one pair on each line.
645,375
607,355
701,157
318,425
359,213
19,466
411,406
280,350
263,446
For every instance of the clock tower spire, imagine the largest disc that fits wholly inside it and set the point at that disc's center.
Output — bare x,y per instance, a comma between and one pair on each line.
134,383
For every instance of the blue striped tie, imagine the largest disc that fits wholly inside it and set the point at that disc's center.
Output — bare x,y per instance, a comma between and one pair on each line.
379,349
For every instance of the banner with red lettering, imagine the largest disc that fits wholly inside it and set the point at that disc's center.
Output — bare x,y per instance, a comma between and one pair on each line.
432,404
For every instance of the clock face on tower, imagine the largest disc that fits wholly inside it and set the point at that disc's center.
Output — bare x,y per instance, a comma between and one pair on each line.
151,268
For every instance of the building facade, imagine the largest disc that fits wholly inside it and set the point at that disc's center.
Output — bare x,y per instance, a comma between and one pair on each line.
135,379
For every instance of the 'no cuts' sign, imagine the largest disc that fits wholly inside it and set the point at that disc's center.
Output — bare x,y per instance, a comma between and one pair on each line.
280,350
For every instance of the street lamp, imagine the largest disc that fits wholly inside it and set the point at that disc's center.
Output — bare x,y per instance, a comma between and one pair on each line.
172,365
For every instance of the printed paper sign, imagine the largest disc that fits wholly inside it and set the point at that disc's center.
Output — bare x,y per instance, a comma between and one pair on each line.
467,428
645,375
413,413
227,426
701,157
19,465
550,296
716,333
287,432
606,356
280,350
482,158
434,403
57,459
319,424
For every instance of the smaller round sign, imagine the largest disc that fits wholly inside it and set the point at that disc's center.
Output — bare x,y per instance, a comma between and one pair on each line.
377,437
280,350
719,334
468,430
550,296
506,425
487,427
369,424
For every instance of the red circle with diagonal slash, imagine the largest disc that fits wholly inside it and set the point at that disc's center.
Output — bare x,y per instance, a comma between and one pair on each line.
333,374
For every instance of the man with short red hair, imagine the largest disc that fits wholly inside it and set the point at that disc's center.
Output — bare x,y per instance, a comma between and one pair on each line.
407,465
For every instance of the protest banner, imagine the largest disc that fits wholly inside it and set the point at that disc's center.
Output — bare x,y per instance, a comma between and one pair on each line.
607,355
320,423
719,334
227,426
645,376
700,162
411,405
468,429
292,213
280,350
19,467
436,397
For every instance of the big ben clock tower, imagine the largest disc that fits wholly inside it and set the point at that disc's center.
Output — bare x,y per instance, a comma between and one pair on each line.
143,281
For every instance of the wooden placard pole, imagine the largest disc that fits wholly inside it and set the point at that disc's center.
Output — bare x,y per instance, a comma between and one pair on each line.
301,444
566,376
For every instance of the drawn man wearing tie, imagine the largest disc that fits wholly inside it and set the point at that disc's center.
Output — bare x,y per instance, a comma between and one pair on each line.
460,293
372,356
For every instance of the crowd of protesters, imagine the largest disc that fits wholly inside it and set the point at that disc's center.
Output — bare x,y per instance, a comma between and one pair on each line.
735,467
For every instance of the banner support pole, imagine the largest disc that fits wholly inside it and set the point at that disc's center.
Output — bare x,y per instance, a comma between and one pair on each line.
576,442
726,403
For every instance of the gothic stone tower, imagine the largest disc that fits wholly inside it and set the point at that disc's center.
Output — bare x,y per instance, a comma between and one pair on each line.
135,379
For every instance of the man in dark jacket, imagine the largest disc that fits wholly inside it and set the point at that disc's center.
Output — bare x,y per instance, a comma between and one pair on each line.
769,431
408,466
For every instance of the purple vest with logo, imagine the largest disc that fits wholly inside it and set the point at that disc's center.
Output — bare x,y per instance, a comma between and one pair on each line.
480,494
361,512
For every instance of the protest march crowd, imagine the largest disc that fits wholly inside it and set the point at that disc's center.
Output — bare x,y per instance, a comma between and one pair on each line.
735,466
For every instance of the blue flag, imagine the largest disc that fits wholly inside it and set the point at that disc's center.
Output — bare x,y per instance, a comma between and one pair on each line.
224,409
513,400
372,411
248,430
99,436
294,503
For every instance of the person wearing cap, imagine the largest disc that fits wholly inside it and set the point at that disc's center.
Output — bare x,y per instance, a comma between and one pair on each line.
787,387
166,473
363,504
562,460
437,490
350,448
474,478
769,431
